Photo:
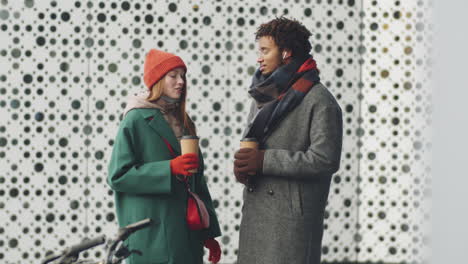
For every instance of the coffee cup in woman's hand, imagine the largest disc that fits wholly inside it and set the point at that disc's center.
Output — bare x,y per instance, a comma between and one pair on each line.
189,144
183,164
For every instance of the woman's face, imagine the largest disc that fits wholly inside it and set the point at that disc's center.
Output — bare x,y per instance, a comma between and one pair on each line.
174,83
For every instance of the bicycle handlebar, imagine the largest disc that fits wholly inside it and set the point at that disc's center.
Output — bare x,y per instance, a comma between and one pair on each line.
125,232
76,249
122,235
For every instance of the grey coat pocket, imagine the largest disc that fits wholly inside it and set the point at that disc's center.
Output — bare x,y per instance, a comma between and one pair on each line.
295,194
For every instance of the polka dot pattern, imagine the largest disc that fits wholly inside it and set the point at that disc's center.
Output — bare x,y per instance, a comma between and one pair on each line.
69,66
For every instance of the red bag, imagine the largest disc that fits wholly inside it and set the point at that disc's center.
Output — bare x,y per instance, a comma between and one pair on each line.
197,215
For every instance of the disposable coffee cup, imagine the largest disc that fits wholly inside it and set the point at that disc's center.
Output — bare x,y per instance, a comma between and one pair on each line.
249,143
189,144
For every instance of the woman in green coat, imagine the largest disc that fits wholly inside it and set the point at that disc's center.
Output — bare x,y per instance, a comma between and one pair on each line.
142,170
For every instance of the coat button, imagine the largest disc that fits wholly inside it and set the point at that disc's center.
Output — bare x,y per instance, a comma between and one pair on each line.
250,189
270,192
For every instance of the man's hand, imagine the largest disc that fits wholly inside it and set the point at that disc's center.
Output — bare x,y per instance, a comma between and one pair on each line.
241,177
248,161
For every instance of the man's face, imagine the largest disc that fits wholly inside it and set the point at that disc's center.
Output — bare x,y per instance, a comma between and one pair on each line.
269,55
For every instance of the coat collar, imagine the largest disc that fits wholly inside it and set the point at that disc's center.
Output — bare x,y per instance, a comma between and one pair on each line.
160,125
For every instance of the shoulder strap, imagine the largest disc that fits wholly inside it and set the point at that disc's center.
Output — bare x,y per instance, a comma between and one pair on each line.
171,150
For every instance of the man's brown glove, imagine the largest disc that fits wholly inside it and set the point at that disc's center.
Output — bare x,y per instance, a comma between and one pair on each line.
241,177
247,162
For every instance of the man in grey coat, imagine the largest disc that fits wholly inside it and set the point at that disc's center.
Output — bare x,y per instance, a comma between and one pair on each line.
298,124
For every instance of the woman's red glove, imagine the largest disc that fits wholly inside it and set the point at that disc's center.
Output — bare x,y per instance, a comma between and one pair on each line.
215,251
182,164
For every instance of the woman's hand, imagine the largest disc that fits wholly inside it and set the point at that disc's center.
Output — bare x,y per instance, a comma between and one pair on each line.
215,251
182,164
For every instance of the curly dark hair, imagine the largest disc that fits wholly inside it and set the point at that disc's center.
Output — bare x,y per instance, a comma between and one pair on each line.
287,34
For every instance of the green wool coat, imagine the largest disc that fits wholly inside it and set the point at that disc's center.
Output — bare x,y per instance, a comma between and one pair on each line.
140,175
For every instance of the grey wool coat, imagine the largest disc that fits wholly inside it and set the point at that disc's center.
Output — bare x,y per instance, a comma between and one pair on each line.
283,212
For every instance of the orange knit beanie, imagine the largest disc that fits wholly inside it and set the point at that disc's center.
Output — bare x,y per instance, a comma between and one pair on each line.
158,63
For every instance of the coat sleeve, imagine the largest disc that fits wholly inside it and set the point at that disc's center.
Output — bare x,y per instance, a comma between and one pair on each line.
322,157
204,194
126,174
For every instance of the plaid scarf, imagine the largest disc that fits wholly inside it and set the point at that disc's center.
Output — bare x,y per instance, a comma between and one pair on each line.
279,93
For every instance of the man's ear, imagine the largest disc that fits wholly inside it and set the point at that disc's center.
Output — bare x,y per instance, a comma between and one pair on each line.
286,54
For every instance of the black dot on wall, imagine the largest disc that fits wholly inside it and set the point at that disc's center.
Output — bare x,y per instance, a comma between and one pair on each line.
216,106
318,48
65,16
149,19
340,25
14,192
63,142
110,217
339,72
62,180
38,167
172,7
27,78
13,243
125,6
50,217
101,17
39,116
207,21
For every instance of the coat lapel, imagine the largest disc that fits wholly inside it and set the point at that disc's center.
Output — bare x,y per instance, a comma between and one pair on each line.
160,126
